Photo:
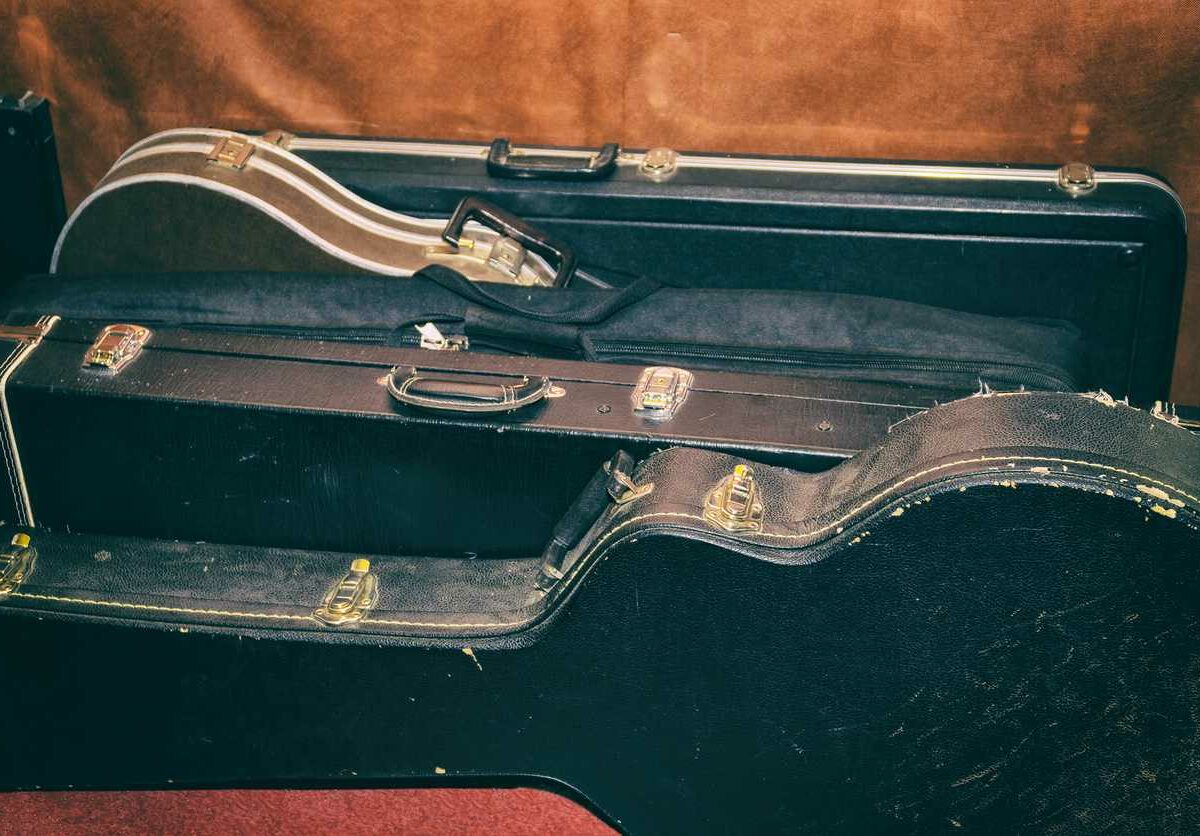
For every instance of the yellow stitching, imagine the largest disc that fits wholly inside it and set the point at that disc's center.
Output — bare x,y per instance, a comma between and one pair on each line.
233,614
156,607
398,623
595,548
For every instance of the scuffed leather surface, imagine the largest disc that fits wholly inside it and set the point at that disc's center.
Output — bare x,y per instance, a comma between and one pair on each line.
1032,670
1114,84
1019,442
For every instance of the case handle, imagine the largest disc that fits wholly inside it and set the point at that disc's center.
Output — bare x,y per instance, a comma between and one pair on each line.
473,394
508,224
595,167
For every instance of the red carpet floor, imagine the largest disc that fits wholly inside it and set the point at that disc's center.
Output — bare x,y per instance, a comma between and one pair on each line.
202,812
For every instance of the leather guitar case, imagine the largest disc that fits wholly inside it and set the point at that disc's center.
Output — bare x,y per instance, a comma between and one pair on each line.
988,616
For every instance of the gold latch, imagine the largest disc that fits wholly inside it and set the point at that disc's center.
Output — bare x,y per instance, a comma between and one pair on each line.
734,505
623,489
350,599
660,391
232,152
16,564
659,163
279,138
1077,179
116,347
508,256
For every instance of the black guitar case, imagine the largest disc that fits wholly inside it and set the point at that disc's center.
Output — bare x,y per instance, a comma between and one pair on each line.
988,617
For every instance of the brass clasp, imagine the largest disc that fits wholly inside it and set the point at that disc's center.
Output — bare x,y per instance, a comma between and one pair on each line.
232,152
660,391
351,598
116,347
733,504
16,564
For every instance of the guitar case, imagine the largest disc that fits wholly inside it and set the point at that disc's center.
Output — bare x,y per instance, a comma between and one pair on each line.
989,616
489,510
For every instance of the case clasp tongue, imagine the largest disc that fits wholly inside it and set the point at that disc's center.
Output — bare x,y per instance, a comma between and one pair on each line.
16,564
351,598
660,391
116,347
734,504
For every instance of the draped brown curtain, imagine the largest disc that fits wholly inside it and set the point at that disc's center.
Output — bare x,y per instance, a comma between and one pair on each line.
1115,82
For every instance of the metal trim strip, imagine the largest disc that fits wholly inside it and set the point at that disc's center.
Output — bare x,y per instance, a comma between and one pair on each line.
773,165
9,437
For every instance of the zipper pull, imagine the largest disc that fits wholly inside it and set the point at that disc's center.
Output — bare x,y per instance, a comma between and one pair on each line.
433,339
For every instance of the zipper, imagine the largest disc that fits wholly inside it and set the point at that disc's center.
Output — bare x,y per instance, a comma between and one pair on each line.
1032,375
1038,376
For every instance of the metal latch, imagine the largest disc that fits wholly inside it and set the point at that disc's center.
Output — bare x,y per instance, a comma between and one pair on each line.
279,138
433,339
507,256
16,564
1077,179
659,163
117,346
350,599
232,152
660,391
733,504
621,487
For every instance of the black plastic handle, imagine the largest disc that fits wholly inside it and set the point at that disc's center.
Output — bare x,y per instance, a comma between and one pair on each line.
474,394
509,225
594,167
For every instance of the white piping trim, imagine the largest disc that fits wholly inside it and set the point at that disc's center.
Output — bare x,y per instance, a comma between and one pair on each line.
237,194
434,226
730,162
17,476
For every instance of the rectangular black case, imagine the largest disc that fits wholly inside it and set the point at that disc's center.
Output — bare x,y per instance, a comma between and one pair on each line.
259,440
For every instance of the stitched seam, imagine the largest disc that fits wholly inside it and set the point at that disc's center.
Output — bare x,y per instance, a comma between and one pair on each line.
399,623
67,599
659,515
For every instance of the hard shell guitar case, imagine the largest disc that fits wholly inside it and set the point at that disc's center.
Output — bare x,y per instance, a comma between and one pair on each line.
1102,249
261,534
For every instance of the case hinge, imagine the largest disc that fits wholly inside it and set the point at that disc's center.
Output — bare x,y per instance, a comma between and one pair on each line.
351,598
16,564
116,347
232,152
733,504
621,486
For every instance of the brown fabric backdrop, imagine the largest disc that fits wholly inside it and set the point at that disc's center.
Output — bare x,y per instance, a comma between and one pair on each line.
1114,82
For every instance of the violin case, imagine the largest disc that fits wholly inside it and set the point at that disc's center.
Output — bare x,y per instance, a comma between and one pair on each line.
290,525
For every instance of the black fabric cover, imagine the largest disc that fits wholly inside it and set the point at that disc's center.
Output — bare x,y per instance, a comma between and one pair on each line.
795,332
